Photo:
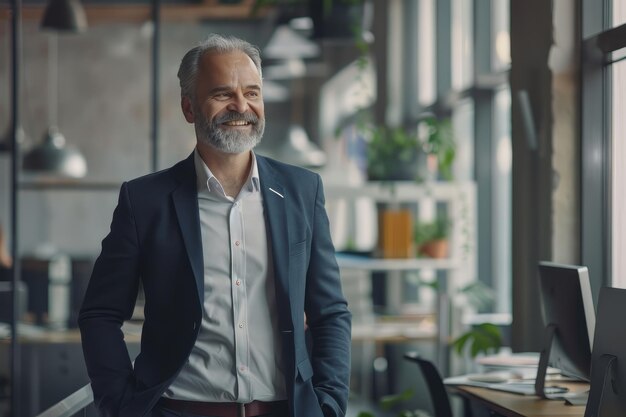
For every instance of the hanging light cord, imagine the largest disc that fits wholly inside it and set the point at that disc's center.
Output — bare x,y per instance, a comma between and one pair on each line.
53,79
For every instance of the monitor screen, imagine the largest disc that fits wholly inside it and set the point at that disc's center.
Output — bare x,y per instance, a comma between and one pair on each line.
607,396
569,320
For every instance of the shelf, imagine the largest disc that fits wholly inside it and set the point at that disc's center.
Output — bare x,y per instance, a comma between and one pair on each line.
393,332
378,264
453,272
401,191
68,184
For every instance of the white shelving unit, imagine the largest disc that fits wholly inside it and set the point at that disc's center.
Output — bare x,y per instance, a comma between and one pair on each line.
454,272
380,264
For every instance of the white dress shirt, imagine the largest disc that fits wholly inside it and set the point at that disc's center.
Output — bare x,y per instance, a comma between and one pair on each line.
237,354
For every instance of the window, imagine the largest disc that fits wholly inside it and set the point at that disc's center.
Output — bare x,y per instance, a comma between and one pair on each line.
426,52
501,58
462,56
619,12
618,174
603,142
462,51
502,189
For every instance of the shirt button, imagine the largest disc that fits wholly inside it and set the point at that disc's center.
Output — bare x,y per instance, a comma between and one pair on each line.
242,368
238,282
237,243
241,325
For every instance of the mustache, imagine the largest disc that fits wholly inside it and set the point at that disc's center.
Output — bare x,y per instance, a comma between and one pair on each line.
233,116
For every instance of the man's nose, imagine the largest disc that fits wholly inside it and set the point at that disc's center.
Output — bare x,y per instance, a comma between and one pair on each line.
238,103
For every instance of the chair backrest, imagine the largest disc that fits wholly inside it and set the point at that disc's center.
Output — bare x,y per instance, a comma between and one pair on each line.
436,390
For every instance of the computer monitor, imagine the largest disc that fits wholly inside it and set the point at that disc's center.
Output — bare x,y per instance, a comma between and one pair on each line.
569,319
607,396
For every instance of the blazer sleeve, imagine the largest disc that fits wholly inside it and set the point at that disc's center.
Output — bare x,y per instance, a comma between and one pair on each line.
109,300
328,317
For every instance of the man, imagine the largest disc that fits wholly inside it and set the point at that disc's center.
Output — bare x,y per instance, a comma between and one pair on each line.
234,254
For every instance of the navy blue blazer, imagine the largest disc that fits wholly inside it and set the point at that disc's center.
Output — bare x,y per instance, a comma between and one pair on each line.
155,238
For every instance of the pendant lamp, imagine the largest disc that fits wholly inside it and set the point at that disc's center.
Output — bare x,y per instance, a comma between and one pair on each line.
64,15
52,157
286,43
298,149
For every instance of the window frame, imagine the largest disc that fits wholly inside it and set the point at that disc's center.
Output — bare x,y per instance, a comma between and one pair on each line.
598,41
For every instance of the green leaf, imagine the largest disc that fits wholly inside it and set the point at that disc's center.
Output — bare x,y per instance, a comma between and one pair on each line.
389,401
460,342
482,338
434,284
365,414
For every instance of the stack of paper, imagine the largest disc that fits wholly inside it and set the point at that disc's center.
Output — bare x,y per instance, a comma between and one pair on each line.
514,373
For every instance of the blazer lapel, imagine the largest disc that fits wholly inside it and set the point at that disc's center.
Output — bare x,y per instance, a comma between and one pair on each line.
185,199
274,201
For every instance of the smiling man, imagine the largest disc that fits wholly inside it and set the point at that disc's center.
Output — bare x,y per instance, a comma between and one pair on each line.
234,254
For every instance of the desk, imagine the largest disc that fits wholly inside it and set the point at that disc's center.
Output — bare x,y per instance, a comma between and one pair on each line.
514,405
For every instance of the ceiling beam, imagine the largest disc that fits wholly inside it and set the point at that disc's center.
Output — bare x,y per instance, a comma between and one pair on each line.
137,13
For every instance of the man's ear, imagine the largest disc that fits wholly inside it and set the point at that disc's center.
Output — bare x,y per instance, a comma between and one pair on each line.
187,107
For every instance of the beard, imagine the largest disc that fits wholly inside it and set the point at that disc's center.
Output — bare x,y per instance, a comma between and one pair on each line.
211,132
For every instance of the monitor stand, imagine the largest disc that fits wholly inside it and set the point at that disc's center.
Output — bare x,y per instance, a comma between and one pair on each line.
544,357
576,399
542,370
579,398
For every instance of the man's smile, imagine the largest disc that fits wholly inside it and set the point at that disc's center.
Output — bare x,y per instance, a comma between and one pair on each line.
237,123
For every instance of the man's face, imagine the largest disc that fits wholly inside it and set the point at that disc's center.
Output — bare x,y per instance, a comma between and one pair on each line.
228,110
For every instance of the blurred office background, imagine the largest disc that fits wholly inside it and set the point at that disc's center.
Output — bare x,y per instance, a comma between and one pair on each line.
532,93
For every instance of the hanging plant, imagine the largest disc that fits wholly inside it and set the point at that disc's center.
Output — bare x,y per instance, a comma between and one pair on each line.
437,138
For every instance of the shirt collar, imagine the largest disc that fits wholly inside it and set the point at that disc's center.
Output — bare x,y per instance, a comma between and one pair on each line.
204,176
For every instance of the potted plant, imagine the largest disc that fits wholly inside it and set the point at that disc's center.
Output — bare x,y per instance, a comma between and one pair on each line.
431,238
396,153
392,154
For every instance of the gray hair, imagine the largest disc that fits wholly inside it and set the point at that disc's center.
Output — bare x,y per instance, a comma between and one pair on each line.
214,43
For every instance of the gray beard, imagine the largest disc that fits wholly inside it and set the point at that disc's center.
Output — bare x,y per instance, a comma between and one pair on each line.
226,140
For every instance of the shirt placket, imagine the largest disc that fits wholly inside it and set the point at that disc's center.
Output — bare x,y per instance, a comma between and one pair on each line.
238,257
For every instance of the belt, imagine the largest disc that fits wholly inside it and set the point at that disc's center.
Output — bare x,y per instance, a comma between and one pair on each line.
253,409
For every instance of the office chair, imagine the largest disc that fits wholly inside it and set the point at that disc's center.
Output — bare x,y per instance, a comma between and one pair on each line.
436,390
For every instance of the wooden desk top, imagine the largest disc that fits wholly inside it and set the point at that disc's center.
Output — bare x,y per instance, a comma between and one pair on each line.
515,405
